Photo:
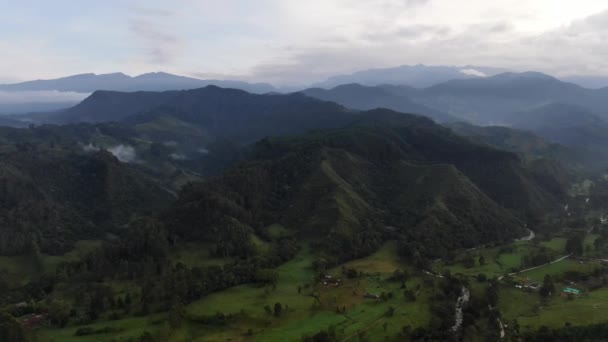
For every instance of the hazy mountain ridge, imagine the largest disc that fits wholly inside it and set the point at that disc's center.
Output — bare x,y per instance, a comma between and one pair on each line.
495,98
525,143
157,81
419,76
365,98
570,125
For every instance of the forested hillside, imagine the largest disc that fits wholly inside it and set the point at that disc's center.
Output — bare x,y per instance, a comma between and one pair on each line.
51,198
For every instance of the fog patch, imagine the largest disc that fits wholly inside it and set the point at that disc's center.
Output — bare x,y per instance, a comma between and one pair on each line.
90,148
473,72
124,153
178,156
203,150
42,96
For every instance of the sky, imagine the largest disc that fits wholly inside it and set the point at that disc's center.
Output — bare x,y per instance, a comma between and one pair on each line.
295,42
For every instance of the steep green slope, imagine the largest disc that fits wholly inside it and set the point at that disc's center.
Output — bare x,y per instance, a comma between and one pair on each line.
526,144
53,197
349,189
366,98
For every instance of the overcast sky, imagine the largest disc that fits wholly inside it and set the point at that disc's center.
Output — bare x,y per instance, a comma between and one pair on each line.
298,41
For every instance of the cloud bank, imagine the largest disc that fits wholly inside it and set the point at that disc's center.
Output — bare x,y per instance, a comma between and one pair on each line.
300,42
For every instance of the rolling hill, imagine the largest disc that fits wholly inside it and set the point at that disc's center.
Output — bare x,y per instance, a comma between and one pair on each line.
341,188
365,98
53,197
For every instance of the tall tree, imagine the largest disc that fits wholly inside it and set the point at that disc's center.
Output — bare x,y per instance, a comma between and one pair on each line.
10,329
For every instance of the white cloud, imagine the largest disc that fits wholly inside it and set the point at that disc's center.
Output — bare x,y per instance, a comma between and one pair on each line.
178,156
473,72
124,153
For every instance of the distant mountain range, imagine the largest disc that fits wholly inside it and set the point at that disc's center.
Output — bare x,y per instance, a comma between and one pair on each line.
419,76
34,96
424,76
156,81
591,82
557,111
495,100
361,97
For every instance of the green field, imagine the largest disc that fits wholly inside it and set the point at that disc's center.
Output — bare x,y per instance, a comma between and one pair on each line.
305,315
310,307
559,268
583,310
19,270
496,263
499,263
195,255
131,327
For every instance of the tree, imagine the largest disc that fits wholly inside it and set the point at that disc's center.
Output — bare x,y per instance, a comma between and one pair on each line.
176,315
548,287
410,296
128,300
35,254
146,337
574,245
492,295
278,309
59,313
10,329
468,261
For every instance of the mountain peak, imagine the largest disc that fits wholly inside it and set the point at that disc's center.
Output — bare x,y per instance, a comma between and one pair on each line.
528,75
156,75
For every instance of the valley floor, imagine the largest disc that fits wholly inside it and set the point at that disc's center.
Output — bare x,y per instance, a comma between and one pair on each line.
367,304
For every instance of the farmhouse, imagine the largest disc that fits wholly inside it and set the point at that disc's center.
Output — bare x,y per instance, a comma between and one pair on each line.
533,286
371,296
330,281
35,320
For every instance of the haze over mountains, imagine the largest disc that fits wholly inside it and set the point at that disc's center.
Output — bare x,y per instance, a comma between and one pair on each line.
53,94
155,81
576,116
47,95
418,76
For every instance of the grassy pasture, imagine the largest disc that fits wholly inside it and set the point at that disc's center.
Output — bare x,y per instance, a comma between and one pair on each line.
584,310
19,270
130,327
